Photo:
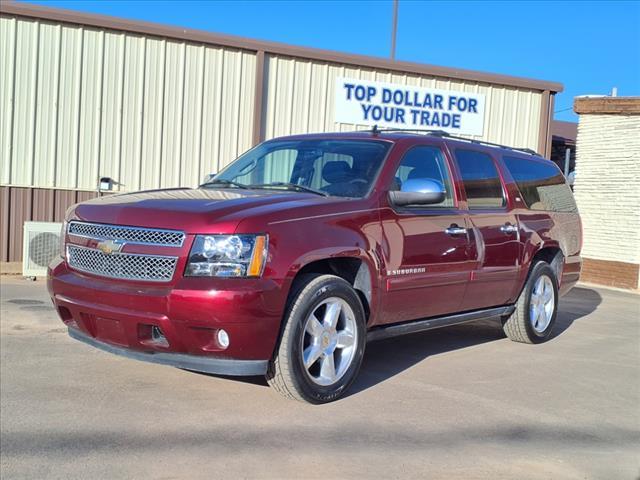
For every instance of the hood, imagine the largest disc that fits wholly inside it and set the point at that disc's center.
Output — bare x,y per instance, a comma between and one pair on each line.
191,210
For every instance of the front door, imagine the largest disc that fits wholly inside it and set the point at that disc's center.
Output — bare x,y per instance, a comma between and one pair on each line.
426,249
493,232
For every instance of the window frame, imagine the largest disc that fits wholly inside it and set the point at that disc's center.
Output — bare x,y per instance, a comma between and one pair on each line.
428,209
388,144
501,179
541,161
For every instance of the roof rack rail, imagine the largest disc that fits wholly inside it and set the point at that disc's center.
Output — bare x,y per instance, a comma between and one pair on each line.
376,130
442,133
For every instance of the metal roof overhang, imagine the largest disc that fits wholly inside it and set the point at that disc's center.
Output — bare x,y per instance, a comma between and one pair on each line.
200,36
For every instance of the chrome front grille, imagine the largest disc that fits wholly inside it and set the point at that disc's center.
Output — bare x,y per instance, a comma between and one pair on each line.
139,235
127,266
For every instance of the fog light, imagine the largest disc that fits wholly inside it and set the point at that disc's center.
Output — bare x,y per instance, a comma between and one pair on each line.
223,338
158,338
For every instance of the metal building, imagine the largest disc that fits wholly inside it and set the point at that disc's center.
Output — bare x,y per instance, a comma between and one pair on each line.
87,96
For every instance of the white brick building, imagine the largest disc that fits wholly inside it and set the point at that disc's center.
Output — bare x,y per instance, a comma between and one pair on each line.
607,189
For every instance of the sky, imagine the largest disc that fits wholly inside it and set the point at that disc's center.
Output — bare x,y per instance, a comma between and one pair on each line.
589,47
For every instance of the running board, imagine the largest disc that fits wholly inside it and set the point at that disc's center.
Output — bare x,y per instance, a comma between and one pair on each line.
397,329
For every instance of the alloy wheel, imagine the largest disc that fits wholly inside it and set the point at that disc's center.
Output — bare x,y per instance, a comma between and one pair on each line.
542,304
329,341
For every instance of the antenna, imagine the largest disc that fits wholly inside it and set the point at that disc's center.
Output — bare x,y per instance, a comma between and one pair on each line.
394,29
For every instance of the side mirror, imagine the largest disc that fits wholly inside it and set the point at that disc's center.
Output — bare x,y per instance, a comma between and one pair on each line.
208,177
418,191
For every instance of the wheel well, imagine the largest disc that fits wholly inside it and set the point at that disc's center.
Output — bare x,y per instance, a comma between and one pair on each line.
553,256
353,270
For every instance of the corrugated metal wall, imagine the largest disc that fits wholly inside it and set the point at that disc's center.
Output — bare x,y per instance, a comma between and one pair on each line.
300,98
79,103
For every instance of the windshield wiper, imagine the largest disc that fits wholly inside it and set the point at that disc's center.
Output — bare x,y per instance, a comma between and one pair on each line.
224,182
290,186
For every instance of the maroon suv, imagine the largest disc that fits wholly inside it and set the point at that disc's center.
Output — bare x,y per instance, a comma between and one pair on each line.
306,247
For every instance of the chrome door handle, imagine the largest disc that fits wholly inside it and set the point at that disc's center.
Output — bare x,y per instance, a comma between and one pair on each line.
508,228
455,230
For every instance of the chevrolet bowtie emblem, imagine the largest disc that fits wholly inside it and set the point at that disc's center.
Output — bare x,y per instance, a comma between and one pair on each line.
110,246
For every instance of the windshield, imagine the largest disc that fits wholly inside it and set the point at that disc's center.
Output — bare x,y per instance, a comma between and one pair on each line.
344,168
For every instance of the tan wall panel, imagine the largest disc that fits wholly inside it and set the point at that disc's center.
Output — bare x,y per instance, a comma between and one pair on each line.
226,131
68,123
44,142
24,106
154,112
111,116
300,98
191,128
128,171
94,102
7,86
90,105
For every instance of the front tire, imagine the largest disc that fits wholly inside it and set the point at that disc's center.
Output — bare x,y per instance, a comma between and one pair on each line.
537,307
322,343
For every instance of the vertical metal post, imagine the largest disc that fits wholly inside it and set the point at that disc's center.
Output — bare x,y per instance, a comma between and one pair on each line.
567,161
394,29
258,100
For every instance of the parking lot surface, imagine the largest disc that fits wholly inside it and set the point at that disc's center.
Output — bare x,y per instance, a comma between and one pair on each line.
460,402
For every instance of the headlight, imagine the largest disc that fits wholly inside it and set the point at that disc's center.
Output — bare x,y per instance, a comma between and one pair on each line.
227,256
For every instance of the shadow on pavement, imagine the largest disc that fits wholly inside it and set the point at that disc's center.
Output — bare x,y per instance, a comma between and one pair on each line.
386,358
578,303
233,438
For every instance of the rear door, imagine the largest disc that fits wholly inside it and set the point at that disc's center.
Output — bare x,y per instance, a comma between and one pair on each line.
494,232
426,248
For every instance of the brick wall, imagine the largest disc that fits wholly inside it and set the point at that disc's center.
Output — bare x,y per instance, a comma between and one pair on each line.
607,191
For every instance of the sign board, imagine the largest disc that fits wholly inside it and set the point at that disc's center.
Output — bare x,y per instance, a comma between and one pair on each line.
365,102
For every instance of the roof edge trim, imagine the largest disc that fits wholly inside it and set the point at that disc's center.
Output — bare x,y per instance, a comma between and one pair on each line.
274,48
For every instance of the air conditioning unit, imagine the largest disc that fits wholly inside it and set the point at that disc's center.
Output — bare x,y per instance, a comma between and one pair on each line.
41,244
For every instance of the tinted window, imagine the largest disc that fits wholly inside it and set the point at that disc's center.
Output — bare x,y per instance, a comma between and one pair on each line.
480,178
541,184
342,168
425,162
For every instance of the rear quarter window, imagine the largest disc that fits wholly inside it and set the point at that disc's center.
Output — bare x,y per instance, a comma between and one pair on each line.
541,184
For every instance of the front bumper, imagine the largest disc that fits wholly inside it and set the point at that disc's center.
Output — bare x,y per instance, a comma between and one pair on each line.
198,363
119,316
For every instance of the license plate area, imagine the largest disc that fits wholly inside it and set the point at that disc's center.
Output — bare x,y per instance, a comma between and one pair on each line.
105,329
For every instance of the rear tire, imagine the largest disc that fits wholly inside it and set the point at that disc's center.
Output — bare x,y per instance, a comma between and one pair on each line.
322,343
536,309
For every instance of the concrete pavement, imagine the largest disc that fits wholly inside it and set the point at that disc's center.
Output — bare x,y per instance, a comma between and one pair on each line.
451,403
